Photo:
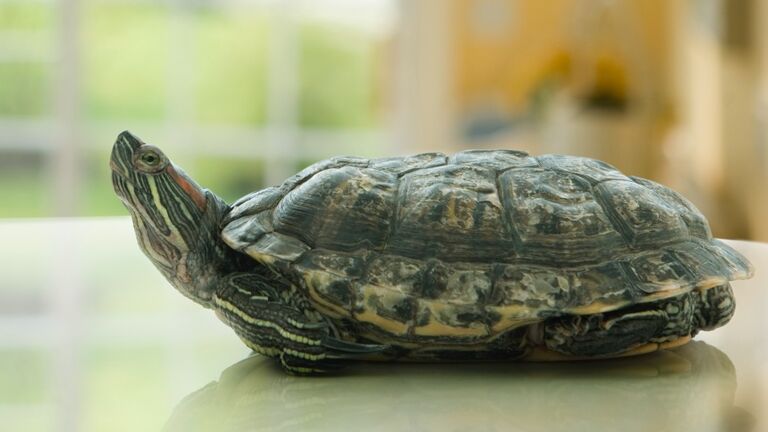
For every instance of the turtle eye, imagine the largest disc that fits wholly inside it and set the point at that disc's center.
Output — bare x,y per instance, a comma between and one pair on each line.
150,160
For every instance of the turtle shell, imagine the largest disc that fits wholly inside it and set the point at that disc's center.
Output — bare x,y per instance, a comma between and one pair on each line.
473,245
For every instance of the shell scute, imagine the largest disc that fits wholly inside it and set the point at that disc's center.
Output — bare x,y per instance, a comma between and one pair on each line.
595,170
598,288
384,309
471,285
348,265
245,231
396,273
544,291
694,220
400,166
452,323
339,208
737,267
702,263
450,212
532,287
354,161
640,215
494,159
659,270
555,216
253,203
274,247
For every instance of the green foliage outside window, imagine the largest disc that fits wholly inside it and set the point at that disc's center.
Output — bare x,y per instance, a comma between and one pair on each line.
130,78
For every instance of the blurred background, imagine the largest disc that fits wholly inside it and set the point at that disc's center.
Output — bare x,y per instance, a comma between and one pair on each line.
244,93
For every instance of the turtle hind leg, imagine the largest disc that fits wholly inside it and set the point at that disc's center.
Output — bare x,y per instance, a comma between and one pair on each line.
273,328
618,332
714,307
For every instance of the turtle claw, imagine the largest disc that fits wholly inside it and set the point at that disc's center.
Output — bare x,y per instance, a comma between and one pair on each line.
295,365
310,325
343,349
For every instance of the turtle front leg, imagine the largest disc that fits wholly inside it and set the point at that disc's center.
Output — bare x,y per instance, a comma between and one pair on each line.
250,304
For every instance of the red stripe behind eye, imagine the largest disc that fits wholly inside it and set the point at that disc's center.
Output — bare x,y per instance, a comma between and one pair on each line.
191,190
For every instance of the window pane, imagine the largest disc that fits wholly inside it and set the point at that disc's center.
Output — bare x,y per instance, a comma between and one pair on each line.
24,187
230,64
24,89
230,178
126,67
24,377
21,16
98,197
338,87
125,388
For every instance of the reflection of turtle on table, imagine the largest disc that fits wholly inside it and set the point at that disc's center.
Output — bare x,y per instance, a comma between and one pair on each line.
683,389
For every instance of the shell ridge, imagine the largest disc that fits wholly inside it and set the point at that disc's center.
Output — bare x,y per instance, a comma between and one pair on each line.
510,168
417,168
509,227
613,217
393,225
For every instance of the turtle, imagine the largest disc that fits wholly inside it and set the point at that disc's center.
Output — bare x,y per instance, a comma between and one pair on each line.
483,255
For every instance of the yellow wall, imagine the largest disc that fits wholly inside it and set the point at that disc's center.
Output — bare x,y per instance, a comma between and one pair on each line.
529,42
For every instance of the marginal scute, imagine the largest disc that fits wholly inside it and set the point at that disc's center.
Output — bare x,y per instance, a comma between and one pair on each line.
278,246
702,263
245,231
330,279
396,273
737,266
532,287
348,265
452,322
659,270
468,285
333,293
385,309
555,216
253,203
541,292
599,288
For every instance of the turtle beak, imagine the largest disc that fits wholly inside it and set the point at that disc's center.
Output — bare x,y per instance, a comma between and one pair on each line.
122,153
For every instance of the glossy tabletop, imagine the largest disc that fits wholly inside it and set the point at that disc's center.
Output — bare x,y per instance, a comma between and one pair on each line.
93,339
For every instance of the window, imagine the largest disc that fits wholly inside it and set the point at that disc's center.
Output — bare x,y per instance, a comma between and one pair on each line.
240,93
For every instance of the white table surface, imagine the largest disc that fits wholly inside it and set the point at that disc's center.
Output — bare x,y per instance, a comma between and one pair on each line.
92,338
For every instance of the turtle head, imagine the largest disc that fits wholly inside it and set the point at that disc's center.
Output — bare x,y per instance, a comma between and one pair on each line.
176,221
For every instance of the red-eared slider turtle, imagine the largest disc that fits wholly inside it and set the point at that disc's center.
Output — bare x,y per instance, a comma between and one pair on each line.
483,255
